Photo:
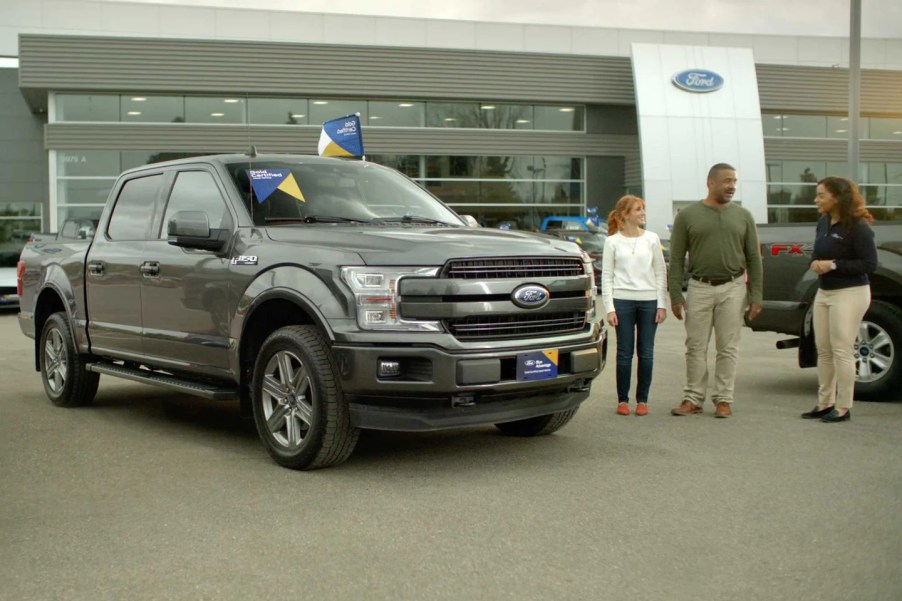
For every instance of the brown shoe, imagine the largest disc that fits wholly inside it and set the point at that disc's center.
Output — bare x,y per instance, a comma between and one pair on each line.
687,408
723,409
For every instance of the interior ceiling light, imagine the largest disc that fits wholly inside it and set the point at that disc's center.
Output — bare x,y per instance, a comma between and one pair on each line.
298,116
843,118
567,109
488,107
320,102
778,116
897,133
138,99
375,117
522,120
217,114
134,112
450,119
405,105
231,100
784,129
840,131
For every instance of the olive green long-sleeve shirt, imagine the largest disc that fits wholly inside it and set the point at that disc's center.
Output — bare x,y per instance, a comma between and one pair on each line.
721,242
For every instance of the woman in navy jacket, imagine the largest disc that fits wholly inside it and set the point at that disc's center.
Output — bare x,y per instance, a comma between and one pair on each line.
844,255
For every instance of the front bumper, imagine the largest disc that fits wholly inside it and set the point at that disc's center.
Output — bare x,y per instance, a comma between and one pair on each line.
438,389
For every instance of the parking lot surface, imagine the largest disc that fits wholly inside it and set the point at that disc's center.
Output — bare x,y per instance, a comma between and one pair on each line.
153,495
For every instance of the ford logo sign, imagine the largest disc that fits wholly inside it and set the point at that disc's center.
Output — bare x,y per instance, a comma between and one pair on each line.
531,296
698,80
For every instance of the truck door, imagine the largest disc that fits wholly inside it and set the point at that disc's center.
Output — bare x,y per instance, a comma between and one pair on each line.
113,269
185,296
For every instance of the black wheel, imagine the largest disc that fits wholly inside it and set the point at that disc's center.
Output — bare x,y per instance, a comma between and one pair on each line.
66,381
878,348
299,409
537,426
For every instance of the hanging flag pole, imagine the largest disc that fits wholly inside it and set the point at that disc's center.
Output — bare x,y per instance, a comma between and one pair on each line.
342,137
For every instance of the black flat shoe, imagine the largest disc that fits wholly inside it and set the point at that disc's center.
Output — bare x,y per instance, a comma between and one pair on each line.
834,416
815,413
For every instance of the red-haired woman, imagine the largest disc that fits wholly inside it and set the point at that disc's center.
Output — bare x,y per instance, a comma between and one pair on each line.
634,293
844,254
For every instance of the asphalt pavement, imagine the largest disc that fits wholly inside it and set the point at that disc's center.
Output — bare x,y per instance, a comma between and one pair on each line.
153,495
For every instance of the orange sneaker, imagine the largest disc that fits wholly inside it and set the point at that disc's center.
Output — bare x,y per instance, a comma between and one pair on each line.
641,409
623,409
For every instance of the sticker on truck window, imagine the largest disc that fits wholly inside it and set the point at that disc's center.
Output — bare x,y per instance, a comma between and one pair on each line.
537,365
267,181
245,260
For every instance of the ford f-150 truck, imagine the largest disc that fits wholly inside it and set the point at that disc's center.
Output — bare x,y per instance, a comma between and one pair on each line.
789,289
327,295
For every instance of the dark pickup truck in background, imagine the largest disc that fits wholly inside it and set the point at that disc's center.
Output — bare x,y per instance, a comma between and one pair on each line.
789,289
327,295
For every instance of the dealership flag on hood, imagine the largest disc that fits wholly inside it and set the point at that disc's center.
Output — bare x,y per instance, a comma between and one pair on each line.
341,138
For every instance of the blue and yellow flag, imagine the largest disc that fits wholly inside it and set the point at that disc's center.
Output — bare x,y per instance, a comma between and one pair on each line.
267,181
341,138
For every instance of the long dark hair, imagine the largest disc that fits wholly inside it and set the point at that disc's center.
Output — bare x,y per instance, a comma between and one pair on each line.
851,202
623,206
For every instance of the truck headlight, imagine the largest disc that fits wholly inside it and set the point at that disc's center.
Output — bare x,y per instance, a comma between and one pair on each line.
376,291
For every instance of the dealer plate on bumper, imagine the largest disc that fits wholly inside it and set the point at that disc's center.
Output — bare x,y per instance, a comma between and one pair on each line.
537,365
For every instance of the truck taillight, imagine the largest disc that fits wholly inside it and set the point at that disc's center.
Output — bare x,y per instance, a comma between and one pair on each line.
20,273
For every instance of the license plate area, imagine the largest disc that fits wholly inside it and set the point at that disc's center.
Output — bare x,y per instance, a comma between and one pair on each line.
537,365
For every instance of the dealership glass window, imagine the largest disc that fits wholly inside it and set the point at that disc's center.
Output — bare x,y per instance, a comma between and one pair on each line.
494,115
18,220
560,118
87,163
326,109
408,164
452,114
792,215
278,111
808,172
142,108
804,126
84,107
396,113
772,125
93,191
885,129
78,212
209,109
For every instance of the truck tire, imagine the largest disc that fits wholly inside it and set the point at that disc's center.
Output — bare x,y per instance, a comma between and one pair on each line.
878,353
299,408
66,380
537,426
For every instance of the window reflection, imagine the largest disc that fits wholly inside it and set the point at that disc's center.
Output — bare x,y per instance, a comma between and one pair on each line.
278,111
80,107
152,109
326,109
222,109
399,113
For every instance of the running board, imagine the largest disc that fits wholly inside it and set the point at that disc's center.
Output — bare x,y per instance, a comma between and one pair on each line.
207,391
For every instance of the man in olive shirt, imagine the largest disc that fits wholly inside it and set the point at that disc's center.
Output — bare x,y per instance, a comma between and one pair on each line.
725,276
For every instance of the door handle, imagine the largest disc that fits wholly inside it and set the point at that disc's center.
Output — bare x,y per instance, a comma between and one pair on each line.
150,268
95,267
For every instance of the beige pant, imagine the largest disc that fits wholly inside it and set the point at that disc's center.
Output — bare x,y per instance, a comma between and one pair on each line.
837,317
719,308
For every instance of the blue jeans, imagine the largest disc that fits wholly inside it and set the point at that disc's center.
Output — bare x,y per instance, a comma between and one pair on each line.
635,322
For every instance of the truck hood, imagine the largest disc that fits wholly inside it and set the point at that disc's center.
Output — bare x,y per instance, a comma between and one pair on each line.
432,246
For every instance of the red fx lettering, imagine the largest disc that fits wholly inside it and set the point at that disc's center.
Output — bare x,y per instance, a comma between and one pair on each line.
792,249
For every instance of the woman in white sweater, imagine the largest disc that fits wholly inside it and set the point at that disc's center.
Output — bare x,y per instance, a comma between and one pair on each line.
634,293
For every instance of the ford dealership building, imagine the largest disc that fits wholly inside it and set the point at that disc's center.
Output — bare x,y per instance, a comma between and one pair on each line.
508,123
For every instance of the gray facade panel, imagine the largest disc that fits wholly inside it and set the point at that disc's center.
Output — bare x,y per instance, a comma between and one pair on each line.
815,89
265,68
781,149
214,138
24,174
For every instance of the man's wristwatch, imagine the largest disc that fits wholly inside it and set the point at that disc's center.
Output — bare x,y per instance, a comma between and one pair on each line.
832,265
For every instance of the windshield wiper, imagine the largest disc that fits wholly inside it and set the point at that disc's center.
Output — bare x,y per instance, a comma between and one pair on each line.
409,219
315,219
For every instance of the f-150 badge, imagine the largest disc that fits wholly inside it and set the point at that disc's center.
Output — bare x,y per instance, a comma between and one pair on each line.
245,260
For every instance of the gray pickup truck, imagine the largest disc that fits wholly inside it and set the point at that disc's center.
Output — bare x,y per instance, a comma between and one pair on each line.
789,289
327,295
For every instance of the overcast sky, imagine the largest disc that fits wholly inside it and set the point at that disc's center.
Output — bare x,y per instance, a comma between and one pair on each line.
880,18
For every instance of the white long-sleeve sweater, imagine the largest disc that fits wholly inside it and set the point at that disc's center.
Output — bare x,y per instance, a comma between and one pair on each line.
633,269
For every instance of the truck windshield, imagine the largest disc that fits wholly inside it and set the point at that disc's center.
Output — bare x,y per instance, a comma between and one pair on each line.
334,191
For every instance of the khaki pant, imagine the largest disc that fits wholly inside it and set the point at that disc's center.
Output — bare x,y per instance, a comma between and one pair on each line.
720,308
837,317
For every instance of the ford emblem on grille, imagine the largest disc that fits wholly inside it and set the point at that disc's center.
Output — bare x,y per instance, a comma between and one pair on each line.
698,80
531,296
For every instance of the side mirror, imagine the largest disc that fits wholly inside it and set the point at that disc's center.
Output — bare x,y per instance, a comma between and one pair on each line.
470,220
191,229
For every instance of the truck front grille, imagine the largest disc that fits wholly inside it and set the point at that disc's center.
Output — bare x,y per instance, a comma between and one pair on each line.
514,268
515,326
